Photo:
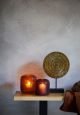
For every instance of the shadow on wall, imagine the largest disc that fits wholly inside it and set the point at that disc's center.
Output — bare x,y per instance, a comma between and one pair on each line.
9,106
33,68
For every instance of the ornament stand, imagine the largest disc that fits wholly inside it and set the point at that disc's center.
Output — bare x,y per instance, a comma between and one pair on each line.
56,65
56,90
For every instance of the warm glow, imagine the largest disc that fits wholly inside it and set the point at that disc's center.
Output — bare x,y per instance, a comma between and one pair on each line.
42,86
28,84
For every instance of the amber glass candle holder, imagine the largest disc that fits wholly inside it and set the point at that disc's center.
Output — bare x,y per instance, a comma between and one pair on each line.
42,87
28,84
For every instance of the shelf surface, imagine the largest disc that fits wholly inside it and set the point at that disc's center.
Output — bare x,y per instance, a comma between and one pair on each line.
25,97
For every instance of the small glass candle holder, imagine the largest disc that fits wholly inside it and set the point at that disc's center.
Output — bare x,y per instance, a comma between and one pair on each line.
28,84
42,87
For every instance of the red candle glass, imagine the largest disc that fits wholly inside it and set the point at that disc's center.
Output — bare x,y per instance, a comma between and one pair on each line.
28,84
42,87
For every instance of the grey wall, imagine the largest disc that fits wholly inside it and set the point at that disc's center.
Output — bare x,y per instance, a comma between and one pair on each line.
29,30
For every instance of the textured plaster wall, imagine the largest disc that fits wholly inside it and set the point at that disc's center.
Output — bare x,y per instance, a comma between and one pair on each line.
29,30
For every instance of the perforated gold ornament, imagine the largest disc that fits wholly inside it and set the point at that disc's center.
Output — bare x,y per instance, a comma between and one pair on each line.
56,64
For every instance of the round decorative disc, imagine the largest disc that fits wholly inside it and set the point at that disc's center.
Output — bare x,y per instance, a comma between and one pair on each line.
56,64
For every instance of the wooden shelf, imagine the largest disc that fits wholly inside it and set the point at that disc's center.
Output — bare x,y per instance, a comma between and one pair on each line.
25,97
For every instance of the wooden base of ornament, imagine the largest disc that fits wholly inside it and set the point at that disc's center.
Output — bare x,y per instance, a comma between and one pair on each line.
57,90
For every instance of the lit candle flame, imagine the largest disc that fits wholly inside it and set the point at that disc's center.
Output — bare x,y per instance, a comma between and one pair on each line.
42,86
28,84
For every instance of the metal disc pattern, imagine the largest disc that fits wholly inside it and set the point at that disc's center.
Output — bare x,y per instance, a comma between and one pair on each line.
56,64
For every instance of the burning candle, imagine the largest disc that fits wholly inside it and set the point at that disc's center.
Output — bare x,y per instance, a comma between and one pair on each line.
42,87
28,84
